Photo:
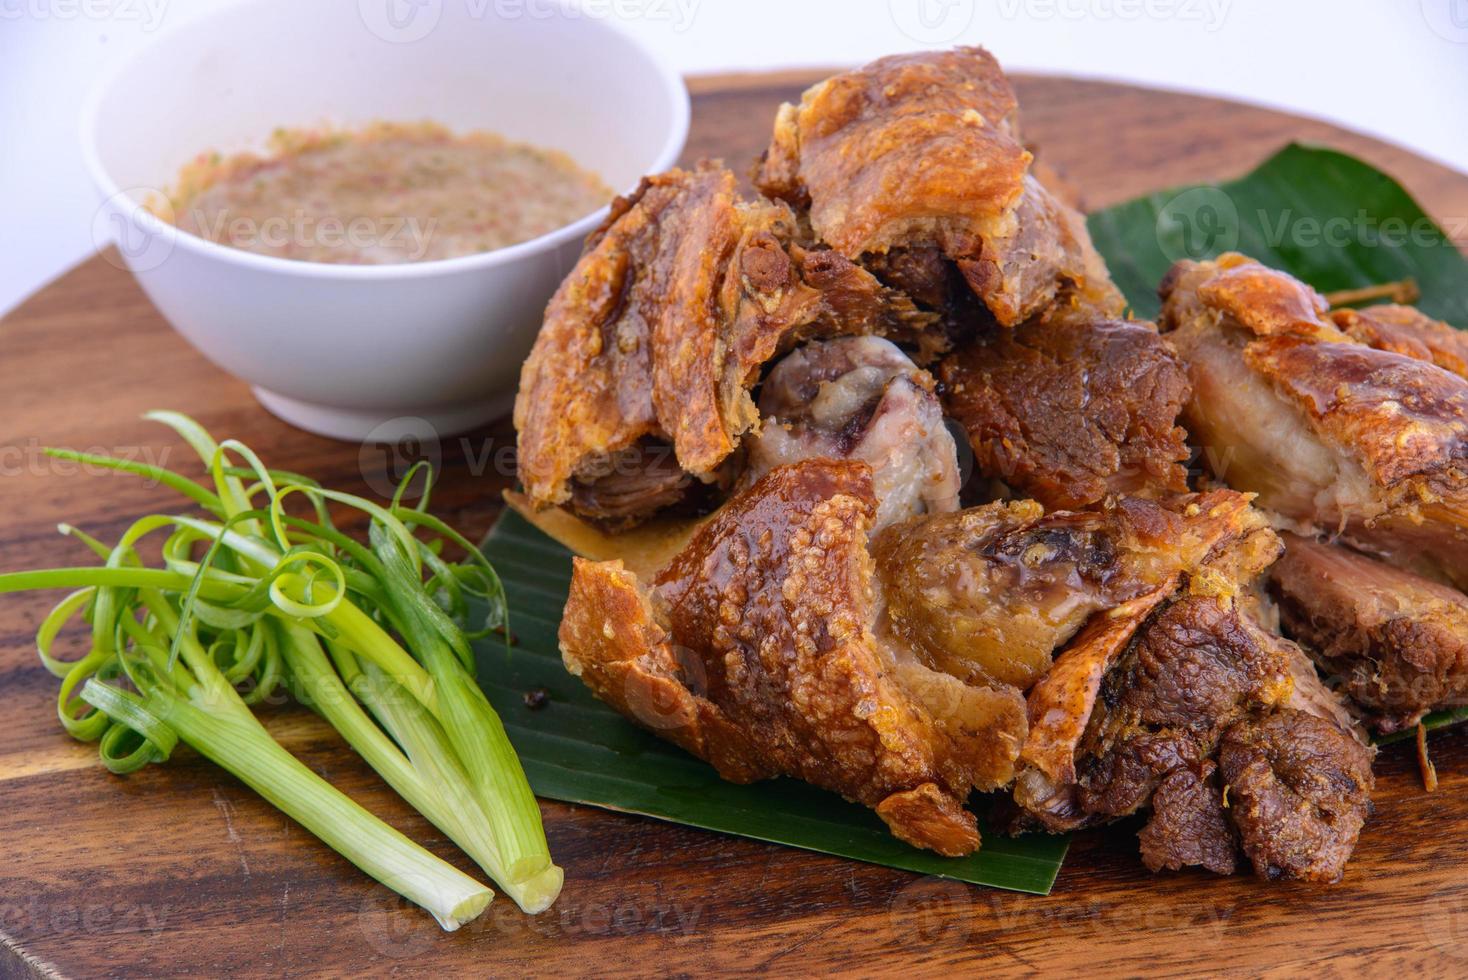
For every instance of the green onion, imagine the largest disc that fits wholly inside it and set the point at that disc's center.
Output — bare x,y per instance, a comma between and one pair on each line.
374,638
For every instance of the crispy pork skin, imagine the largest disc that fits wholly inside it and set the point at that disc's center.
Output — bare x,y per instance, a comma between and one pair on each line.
921,152
755,650
1069,408
660,330
907,210
620,648
860,398
679,295
1333,435
1397,643
1407,330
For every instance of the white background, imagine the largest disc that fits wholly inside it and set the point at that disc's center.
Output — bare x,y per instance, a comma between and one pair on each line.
1397,69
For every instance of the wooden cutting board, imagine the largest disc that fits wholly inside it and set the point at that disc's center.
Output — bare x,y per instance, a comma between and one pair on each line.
181,870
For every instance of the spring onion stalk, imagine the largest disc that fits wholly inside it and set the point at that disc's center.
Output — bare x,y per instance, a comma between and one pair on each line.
374,637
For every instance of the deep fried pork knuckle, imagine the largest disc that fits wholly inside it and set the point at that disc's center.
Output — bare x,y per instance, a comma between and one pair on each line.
1071,408
860,398
1397,642
1332,434
921,154
908,210
991,592
1103,647
1160,704
755,650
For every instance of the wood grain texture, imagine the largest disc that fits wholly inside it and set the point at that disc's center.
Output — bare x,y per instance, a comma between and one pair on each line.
181,870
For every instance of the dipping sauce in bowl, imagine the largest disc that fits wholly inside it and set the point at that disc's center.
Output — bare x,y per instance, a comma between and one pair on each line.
387,194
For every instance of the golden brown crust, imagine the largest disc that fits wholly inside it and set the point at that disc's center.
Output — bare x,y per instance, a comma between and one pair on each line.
991,592
658,331
1027,264
1407,330
586,391
1061,704
1070,409
1334,435
611,640
1265,301
1403,419
762,659
922,151
930,817
906,142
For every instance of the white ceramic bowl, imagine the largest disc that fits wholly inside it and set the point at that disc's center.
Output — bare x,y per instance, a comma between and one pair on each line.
421,348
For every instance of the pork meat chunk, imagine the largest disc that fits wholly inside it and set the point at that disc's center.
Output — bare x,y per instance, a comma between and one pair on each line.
860,398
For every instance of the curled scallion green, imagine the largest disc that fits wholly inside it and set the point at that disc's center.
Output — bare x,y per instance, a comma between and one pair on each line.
374,637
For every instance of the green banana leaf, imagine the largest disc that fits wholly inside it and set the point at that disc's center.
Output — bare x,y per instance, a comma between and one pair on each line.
1319,214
